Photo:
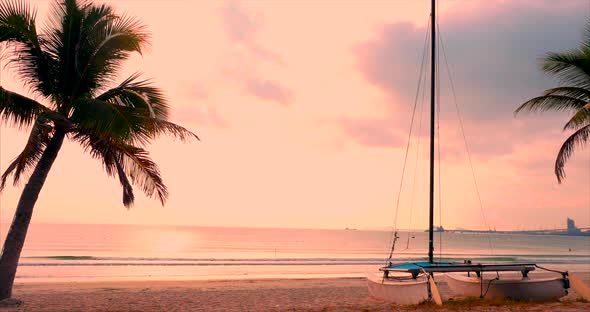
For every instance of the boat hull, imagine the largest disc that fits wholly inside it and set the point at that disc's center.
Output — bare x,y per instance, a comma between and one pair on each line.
398,291
530,289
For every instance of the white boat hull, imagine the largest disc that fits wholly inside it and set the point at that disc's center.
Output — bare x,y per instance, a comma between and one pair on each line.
517,288
398,291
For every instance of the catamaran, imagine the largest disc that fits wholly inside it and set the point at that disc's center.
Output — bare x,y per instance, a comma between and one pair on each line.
414,282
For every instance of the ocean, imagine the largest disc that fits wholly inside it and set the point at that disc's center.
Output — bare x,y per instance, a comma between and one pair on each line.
76,252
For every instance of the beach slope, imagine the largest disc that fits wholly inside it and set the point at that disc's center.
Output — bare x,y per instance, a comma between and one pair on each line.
342,294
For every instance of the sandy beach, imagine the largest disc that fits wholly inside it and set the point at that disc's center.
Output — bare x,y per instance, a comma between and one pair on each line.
338,294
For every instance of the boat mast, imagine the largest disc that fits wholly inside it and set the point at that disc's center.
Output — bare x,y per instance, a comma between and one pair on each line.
432,112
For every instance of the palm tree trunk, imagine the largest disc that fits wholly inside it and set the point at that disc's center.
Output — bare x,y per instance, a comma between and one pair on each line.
22,217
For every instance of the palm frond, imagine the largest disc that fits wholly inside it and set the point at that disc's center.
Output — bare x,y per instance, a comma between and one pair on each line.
144,172
133,92
166,128
111,160
126,117
17,109
35,67
586,40
97,116
551,102
128,161
28,158
575,92
577,139
128,196
581,118
571,68
17,19
92,42
63,41
112,41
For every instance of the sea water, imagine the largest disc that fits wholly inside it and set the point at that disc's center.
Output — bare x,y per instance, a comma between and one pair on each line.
66,252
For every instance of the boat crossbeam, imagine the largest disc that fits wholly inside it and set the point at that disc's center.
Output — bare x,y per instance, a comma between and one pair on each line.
416,268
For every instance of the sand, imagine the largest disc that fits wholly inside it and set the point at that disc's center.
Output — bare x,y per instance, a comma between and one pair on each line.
341,294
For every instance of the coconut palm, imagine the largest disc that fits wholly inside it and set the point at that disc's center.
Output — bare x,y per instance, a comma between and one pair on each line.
572,68
70,69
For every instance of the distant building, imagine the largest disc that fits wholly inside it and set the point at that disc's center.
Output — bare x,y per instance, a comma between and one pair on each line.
436,229
571,227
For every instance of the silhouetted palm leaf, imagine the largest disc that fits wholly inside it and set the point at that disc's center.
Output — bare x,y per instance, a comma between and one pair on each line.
139,94
551,102
163,127
580,119
36,67
575,92
572,68
128,124
577,139
17,109
28,158
127,161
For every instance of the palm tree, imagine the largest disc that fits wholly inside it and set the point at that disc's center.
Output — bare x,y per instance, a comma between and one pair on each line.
70,68
572,68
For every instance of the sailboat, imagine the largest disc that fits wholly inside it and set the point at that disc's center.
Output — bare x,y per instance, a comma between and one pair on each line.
414,282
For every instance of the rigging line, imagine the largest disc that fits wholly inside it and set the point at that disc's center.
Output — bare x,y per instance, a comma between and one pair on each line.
420,129
466,146
410,232
394,234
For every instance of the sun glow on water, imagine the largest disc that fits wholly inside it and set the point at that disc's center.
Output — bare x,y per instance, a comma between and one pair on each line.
164,241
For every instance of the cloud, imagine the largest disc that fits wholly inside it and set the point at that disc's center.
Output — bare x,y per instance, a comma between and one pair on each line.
197,92
391,60
199,110
494,139
239,24
266,54
493,48
242,26
202,115
494,53
268,90
372,132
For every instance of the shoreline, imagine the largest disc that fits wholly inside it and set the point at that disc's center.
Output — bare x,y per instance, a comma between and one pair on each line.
583,269
276,294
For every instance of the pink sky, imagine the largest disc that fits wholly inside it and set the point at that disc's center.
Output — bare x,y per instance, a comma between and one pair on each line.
303,108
